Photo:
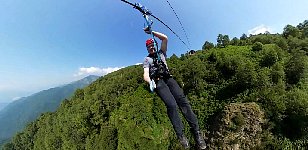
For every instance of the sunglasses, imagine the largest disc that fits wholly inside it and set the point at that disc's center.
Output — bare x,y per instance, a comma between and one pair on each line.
150,46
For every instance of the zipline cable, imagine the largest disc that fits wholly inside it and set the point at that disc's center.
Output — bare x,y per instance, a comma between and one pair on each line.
179,22
147,13
171,31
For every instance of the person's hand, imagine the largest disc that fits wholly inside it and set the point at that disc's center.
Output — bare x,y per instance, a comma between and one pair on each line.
147,30
152,85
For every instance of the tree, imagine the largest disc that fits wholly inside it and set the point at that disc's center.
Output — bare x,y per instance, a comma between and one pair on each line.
223,40
290,30
235,41
282,43
295,67
293,42
243,37
207,45
301,26
305,32
257,46
296,120
219,40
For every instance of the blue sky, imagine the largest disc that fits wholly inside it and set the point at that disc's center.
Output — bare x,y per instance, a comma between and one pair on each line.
47,43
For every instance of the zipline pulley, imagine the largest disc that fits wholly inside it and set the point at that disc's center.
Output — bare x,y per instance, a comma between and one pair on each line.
146,13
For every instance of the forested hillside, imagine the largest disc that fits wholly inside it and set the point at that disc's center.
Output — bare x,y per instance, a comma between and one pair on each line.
248,93
19,113
2,105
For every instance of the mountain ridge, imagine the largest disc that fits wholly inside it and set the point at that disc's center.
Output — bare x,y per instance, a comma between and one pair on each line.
16,114
2,105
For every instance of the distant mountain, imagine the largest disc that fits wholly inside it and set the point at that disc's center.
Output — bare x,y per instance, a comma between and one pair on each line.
2,105
17,114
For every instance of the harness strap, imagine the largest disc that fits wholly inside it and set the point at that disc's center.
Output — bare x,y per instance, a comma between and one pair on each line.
159,69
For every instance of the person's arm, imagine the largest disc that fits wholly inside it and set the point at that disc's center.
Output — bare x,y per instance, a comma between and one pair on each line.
146,75
164,40
162,37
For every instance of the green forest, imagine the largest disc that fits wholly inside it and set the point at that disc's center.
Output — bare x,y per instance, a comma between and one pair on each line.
248,93
19,113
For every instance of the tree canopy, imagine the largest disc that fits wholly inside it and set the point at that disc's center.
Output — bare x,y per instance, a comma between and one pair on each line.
266,73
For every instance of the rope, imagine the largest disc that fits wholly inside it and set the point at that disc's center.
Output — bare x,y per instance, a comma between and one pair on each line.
179,22
171,30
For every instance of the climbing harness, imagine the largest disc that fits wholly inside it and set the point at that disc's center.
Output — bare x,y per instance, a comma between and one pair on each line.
158,70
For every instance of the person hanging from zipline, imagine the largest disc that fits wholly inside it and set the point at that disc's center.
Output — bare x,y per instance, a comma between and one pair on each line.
156,73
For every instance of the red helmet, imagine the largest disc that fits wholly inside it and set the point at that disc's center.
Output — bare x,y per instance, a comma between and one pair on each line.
148,42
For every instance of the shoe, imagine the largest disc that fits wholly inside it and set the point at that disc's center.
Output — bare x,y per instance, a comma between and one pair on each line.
199,140
184,141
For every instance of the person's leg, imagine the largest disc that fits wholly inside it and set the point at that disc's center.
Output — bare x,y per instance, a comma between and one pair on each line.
183,103
185,107
164,93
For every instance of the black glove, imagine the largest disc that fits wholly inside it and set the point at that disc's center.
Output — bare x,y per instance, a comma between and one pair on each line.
147,30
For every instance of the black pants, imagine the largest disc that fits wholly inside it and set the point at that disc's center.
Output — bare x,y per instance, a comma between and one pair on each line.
172,95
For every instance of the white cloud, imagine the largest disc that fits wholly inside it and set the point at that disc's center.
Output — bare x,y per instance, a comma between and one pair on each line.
260,29
96,71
